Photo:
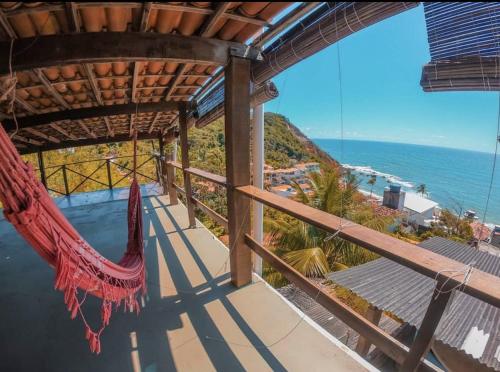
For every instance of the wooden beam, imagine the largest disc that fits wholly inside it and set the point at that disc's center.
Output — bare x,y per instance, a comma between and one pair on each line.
373,315
153,122
95,47
146,11
37,133
62,131
131,125
109,127
481,285
72,16
83,142
21,102
422,343
53,92
172,191
29,141
207,28
41,167
89,112
181,69
221,220
89,71
185,163
215,178
86,129
135,79
237,143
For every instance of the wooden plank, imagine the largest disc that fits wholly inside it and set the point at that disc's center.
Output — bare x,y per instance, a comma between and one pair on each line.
172,191
207,28
109,127
153,122
423,341
86,129
237,143
63,131
373,315
215,178
29,141
183,126
35,145
41,167
89,112
72,16
146,12
181,69
210,213
95,47
175,164
385,342
481,285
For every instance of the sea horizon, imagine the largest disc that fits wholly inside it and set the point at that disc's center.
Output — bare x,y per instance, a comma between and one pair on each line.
457,179
402,143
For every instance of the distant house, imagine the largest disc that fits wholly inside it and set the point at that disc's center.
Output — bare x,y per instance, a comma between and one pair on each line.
284,190
495,237
420,211
286,176
416,209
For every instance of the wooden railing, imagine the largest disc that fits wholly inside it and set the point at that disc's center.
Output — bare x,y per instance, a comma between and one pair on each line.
107,173
481,285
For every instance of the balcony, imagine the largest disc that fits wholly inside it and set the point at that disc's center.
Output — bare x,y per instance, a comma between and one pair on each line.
192,319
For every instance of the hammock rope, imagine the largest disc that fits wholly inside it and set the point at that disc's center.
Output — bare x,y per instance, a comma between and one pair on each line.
78,267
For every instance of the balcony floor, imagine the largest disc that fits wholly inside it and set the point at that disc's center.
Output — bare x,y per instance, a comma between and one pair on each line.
192,320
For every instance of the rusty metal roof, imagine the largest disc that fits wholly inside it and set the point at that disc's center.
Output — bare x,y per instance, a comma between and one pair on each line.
406,293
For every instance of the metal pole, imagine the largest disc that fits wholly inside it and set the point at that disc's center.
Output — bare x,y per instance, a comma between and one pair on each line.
108,167
258,180
41,165
65,178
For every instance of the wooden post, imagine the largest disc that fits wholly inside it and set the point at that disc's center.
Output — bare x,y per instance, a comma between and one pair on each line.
425,334
110,179
373,315
41,166
65,179
237,139
172,191
183,125
162,165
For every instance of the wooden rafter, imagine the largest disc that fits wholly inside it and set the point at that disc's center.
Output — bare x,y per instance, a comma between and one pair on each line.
53,92
65,49
37,133
83,142
207,29
89,112
29,141
93,83
86,129
131,125
155,119
6,25
63,131
71,16
178,76
109,126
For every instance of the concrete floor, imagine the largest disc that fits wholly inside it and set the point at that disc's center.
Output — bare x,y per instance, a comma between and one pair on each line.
192,320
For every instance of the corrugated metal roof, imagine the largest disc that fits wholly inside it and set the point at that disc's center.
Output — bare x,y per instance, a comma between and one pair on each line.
406,293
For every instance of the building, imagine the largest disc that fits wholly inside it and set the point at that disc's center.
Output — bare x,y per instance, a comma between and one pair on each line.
298,173
495,237
417,210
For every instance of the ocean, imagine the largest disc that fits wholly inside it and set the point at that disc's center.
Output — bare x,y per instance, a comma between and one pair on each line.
454,178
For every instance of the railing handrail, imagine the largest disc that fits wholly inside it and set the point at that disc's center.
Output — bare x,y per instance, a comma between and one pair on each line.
215,178
94,160
481,285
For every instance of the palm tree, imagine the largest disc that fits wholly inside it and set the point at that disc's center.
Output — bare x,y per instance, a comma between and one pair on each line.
422,189
372,182
313,251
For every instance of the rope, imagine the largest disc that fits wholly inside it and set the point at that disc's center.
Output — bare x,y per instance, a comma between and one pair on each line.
466,272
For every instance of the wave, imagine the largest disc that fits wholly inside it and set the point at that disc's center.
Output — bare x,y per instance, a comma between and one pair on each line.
367,170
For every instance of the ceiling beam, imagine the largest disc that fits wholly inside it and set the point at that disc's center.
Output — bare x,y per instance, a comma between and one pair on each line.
207,29
29,141
155,119
47,84
93,83
94,47
89,112
90,132
84,142
63,131
109,126
37,133
178,76
71,16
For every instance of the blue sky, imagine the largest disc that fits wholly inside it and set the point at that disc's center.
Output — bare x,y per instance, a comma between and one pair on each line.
382,97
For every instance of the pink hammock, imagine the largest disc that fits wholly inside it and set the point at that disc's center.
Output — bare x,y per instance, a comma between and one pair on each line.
28,206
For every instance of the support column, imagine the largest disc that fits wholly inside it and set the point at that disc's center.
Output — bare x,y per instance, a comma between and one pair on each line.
41,166
163,165
425,335
237,141
185,163
373,315
258,181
